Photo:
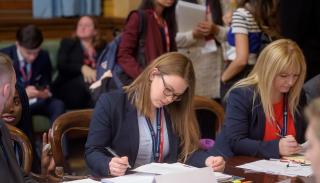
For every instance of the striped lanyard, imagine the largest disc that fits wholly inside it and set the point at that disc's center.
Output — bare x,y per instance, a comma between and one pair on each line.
157,138
284,130
164,25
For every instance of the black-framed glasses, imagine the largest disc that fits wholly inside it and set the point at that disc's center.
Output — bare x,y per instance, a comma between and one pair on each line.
169,92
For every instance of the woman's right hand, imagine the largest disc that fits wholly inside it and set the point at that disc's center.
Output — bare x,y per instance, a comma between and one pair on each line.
118,166
89,75
288,146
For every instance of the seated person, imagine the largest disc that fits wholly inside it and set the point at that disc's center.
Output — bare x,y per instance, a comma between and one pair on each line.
77,58
33,69
313,137
264,115
151,120
312,88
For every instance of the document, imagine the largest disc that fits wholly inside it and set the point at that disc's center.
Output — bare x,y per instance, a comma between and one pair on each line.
279,168
132,178
83,181
189,15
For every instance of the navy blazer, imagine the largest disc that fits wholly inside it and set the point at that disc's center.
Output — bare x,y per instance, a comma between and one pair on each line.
41,67
244,126
115,124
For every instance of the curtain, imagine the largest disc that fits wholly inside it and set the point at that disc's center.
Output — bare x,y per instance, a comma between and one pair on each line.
65,8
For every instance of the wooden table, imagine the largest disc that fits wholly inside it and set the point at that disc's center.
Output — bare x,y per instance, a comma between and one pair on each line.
255,176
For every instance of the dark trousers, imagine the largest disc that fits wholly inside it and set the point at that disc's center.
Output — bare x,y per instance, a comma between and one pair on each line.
50,107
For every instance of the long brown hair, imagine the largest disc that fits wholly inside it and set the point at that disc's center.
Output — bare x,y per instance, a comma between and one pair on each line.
181,112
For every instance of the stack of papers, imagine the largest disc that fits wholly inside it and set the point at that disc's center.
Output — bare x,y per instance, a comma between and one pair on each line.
132,178
279,168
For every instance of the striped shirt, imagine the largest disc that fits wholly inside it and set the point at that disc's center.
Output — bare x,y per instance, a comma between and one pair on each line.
243,22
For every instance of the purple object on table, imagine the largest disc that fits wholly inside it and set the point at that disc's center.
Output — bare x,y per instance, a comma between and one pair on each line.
206,144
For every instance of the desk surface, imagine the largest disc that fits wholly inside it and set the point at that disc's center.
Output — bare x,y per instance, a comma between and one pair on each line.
258,177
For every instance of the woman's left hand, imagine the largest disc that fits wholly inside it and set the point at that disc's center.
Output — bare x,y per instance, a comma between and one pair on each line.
217,163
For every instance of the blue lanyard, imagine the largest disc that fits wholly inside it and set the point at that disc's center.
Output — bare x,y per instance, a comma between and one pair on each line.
156,137
284,130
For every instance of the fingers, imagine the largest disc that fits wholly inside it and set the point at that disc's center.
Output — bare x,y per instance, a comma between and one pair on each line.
216,163
118,166
288,146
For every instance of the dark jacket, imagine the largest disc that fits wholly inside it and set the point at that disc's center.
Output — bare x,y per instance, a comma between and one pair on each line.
244,126
115,124
41,67
70,59
154,43
10,171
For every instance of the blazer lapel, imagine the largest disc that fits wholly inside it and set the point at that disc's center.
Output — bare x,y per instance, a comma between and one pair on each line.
173,140
133,132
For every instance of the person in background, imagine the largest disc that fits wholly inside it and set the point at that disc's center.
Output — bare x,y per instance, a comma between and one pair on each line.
252,20
312,88
151,120
160,30
264,116
77,58
33,69
202,46
313,136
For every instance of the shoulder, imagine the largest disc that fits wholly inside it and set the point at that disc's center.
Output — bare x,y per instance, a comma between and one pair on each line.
69,41
9,50
114,97
246,91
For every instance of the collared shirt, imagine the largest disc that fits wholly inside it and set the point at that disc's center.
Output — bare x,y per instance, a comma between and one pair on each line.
22,64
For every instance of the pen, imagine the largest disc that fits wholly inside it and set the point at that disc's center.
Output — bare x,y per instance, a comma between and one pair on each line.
279,135
114,154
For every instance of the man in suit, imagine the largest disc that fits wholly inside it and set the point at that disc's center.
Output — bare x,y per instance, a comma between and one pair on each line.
33,69
10,171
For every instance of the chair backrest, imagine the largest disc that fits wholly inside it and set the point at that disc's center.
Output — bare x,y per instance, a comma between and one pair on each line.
19,137
207,104
76,121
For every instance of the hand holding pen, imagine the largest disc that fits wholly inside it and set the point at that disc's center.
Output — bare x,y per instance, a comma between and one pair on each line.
118,165
288,146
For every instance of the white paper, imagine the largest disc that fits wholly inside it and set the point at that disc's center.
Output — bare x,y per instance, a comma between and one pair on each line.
189,15
83,181
279,168
203,175
209,47
132,178
164,168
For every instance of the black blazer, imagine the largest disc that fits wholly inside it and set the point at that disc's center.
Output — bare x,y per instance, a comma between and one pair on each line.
70,59
115,124
10,171
244,126
41,66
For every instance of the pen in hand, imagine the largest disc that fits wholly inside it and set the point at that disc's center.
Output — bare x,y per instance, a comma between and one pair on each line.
111,151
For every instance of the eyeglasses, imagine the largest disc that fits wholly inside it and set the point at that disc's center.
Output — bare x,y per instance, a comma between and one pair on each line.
169,92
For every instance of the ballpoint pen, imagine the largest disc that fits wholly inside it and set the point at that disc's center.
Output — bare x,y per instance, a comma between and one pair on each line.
111,151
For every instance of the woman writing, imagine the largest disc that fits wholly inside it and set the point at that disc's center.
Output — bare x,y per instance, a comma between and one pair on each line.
263,113
151,120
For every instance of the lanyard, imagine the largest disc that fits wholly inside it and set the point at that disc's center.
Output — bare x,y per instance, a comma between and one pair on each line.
26,72
166,30
283,131
157,138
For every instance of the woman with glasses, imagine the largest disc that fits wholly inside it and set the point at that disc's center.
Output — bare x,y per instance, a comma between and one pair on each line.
264,115
151,120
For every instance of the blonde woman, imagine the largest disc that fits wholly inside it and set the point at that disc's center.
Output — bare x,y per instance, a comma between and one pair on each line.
151,120
313,136
263,117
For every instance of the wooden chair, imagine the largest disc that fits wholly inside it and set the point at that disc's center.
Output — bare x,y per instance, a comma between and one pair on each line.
18,136
75,122
209,105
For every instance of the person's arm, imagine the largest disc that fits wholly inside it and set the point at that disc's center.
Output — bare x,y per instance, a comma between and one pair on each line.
126,56
201,158
237,124
99,137
66,64
241,60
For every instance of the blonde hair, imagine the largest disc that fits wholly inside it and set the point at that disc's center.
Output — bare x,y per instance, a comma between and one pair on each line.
181,112
276,58
6,69
312,111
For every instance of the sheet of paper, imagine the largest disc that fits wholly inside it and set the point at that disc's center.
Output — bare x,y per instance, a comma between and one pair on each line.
189,15
132,178
83,181
164,168
203,175
278,167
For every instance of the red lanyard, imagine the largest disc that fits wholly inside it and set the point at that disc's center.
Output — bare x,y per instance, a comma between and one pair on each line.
166,30
26,76
157,139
